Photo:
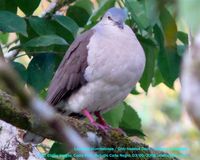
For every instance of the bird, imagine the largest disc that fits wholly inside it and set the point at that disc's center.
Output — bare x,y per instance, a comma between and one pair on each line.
99,69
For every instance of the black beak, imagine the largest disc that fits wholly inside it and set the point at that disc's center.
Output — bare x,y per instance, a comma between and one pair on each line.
120,25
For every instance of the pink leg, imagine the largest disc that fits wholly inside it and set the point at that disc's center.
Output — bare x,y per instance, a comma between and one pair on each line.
92,121
88,115
100,119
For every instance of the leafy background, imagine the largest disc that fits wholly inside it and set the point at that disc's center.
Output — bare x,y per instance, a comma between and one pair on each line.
154,105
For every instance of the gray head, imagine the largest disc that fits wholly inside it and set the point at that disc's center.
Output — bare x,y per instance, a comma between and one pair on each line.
115,16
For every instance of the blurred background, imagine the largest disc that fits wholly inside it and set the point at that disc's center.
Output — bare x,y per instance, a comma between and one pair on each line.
165,121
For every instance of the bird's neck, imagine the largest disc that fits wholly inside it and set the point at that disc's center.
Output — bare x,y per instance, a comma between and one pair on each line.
108,30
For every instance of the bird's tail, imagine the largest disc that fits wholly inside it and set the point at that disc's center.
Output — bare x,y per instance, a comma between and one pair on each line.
30,137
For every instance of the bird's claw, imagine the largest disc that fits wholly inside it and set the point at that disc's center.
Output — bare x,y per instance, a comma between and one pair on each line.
106,127
101,127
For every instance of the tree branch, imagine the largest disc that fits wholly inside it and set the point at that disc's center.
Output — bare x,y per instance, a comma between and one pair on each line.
10,113
55,6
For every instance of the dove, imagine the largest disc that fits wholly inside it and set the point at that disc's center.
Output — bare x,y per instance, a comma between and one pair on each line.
99,69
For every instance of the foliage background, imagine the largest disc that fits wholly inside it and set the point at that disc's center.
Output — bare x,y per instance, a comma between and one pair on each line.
41,39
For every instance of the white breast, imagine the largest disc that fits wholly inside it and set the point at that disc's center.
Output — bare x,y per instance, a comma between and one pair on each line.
115,63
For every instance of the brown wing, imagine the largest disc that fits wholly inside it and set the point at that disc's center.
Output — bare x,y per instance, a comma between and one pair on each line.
69,76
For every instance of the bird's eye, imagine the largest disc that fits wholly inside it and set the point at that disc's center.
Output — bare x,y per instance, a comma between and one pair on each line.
109,17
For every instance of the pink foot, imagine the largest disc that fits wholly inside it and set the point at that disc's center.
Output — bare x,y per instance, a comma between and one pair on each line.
101,127
86,113
100,120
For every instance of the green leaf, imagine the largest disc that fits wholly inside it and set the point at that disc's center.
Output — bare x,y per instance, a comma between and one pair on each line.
102,9
63,32
57,149
44,41
183,37
169,27
62,26
40,71
130,122
151,51
151,10
159,37
4,38
65,27
9,22
168,59
181,49
137,10
67,23
31,34
50,43
28,6
58,49
157,79
80,11
21,70
169,64
114,116
126,118
144,12
41,26
85,4
134,91
9,5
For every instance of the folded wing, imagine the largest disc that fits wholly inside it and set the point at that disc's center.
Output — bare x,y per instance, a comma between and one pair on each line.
69,76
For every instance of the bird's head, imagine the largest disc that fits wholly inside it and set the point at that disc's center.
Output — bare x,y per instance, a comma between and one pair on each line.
115,16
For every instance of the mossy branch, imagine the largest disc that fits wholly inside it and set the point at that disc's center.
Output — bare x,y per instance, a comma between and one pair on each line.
11,113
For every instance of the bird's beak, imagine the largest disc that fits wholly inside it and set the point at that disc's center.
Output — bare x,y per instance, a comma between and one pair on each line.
120,25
